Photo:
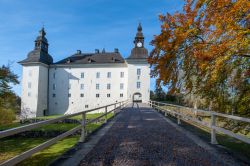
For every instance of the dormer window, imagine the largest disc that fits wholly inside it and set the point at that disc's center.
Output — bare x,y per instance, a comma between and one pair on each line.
68,61
113,59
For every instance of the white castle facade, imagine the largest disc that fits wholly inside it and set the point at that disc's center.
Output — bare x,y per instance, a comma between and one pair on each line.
84,80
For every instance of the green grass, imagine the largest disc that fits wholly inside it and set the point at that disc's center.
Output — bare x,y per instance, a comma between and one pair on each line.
9,126
14,146
47,155
62,127
77,117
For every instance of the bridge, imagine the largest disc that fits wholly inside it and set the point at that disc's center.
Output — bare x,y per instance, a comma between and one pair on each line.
140,134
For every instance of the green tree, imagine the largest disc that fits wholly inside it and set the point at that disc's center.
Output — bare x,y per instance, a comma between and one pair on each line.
159,93
152,95
9,101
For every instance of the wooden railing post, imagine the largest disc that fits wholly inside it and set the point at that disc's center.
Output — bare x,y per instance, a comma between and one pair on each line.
213,131
166,114
178,119
82,137
106,116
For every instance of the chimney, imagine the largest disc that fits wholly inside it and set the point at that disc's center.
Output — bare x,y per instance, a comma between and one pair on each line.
78,51
103,50
97,51
116,50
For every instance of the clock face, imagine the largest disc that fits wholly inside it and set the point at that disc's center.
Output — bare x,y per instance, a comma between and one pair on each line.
139,44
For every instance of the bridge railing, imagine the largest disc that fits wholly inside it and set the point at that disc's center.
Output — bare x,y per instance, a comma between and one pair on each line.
161,107
26,154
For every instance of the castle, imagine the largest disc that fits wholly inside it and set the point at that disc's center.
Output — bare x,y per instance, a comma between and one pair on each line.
82,81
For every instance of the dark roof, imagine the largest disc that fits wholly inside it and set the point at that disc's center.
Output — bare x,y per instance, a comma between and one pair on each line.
38,55
93,58
138,53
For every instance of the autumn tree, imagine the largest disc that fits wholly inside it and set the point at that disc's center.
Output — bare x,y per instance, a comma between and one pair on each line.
209,44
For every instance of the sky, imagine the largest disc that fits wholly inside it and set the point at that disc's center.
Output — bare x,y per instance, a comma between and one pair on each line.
77,25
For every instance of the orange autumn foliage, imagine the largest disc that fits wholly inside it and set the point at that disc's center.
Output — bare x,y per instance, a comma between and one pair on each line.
207,42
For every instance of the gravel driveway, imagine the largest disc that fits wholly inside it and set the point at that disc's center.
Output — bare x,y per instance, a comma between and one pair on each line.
140,137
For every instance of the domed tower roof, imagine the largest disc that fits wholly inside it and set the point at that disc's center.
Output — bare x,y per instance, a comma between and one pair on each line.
40,53
139,52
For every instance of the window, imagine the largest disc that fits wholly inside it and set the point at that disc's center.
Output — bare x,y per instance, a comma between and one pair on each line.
121,85
86,106
108,95
97,86
138,71
122,74
29,84
97,95
54,75
54,86
109,74
98,75
82,75
138,85
121,95
82,86
69,86
54,95
30,73
108,86
81,95
29,94
69,95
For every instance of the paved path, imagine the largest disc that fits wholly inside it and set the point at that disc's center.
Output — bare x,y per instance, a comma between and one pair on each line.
141,136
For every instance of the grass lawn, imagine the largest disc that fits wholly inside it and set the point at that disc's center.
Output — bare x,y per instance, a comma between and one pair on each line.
46,156
14,146
61,127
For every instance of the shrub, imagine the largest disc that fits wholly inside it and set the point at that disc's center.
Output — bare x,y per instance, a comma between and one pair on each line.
7,116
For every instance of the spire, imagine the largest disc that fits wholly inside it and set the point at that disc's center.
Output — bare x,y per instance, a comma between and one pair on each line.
41,42
139,29
42,32
139,38
40,52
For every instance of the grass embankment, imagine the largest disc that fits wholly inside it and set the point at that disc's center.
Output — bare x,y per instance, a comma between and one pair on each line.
10,147
238,147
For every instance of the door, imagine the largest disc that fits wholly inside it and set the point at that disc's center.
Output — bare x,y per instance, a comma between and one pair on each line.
137,97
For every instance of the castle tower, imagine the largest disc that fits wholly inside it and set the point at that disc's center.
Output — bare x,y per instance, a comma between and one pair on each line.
138,70
35,79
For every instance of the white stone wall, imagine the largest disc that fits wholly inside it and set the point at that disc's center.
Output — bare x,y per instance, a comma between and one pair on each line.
144,80
34,90
65,80
68,80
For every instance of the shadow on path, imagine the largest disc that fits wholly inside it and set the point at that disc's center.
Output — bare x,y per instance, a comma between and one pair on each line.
142,137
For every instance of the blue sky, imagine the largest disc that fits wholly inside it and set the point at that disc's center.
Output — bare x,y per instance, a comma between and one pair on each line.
77,24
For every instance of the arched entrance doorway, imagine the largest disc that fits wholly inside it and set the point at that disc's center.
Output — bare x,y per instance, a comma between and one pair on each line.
137,97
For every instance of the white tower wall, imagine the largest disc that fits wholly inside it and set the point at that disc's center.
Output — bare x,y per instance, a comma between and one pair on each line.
34,90
143,78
